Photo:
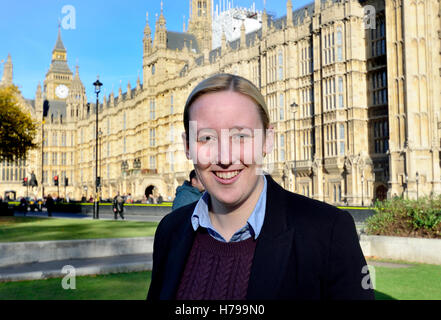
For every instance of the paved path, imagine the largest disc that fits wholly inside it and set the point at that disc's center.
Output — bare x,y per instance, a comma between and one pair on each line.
89,266
388,264
103,265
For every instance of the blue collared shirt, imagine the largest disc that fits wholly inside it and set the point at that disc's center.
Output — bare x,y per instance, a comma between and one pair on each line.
201,218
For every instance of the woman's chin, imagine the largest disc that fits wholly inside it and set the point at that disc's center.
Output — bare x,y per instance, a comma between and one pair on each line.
228,198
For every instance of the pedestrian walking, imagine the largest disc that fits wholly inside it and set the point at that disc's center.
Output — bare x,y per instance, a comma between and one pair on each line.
118,206
49,205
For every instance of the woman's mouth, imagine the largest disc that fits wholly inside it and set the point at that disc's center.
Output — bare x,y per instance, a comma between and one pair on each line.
226,177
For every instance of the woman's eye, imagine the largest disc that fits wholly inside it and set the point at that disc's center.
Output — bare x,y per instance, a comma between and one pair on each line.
240,136
205,139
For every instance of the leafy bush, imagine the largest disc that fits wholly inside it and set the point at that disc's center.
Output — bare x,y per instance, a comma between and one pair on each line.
408,218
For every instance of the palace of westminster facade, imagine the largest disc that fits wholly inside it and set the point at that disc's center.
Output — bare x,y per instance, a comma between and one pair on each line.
356,109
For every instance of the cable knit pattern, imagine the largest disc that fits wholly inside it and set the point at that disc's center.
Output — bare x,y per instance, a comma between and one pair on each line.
216,270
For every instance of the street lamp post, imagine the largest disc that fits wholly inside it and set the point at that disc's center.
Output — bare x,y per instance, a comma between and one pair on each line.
42,158
97,85
294,110
44,115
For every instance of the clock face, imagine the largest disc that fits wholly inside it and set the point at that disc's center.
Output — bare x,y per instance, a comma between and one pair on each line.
62,91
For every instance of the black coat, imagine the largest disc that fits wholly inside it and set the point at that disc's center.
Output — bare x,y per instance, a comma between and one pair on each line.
118,205
50,203
307,249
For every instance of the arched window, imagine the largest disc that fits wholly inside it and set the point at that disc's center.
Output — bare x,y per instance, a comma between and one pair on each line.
339,44
280,65
282,106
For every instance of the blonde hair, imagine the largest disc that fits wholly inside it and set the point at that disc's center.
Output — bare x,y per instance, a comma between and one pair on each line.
227,82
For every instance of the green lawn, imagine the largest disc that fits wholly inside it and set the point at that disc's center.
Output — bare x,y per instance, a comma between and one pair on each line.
14,229
421,281
121,286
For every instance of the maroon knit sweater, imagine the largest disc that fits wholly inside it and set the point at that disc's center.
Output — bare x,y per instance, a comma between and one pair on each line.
216,270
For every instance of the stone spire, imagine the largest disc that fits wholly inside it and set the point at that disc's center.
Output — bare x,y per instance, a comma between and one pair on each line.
129,91
289,22
243,42
264,22
59,46
200,22
59,56
112,98
147,36
77,86
77,74
160,31
138,84
317,6
147,30
38,94
39,101
223,43
7,71
120,92
76,100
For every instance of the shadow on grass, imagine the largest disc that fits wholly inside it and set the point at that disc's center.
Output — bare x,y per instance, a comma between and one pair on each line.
382,296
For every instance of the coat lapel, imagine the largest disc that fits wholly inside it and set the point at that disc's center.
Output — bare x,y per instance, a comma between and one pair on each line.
177,257
274,247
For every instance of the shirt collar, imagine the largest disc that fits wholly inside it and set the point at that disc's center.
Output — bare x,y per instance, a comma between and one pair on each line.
201,218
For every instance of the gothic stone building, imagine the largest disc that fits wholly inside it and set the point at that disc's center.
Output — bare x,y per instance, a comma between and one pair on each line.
353,90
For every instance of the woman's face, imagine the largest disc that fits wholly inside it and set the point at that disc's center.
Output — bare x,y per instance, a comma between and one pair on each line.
226,143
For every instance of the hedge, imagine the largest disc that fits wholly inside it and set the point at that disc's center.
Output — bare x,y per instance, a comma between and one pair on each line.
407,218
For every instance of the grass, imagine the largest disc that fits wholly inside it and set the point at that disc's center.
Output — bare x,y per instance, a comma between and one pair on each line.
14,229
121,286
418,282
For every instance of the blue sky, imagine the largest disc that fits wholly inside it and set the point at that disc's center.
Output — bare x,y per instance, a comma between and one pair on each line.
107,39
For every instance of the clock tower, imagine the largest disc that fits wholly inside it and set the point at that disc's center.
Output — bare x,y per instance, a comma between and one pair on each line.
59,77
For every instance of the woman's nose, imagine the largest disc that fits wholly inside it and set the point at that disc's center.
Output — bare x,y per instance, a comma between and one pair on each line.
224,151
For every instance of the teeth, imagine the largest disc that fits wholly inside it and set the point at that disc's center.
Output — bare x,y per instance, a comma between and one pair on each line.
227,175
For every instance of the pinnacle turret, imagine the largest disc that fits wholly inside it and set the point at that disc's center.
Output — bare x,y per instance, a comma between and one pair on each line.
59,46
7,71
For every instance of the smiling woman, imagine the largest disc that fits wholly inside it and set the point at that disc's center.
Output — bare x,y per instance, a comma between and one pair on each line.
247,237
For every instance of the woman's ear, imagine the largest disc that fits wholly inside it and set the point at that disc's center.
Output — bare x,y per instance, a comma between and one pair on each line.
186,147
269,140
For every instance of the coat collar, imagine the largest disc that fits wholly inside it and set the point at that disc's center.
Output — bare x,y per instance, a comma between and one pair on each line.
273,248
